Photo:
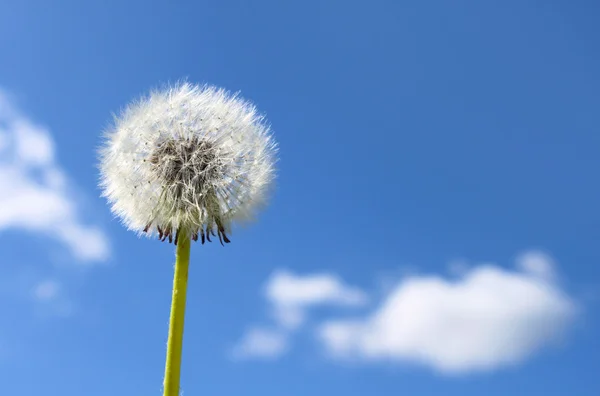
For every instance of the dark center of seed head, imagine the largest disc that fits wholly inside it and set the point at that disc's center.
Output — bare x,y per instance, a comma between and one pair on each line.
186,162
187,167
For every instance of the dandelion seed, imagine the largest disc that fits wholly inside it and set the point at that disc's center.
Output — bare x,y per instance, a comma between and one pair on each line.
189,157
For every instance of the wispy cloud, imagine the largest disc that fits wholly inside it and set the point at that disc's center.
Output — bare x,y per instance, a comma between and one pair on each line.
290,298
291,295
488,318
36,192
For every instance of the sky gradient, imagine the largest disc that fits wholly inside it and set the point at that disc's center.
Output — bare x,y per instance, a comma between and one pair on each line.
434,228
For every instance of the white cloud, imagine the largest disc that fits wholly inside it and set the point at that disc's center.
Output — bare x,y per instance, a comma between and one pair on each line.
487,319
261,343
33,145
285,288
35,191
480,318
291,295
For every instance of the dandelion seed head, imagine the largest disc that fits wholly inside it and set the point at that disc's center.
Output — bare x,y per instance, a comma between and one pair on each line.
188,158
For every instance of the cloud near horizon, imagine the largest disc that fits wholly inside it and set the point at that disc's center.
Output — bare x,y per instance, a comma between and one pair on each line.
36,193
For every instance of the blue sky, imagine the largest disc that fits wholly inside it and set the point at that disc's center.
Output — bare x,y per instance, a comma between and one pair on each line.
435,224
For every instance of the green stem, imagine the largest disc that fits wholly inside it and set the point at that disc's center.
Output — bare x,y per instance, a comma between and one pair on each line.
175,342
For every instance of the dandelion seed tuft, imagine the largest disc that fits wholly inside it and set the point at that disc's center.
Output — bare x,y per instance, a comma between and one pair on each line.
191,159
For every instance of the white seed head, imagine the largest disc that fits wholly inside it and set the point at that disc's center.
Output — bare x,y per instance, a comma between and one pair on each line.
188,158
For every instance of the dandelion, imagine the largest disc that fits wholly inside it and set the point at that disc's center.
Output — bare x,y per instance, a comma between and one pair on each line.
184,164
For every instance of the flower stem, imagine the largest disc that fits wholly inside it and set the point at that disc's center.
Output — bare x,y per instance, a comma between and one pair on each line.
175,342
